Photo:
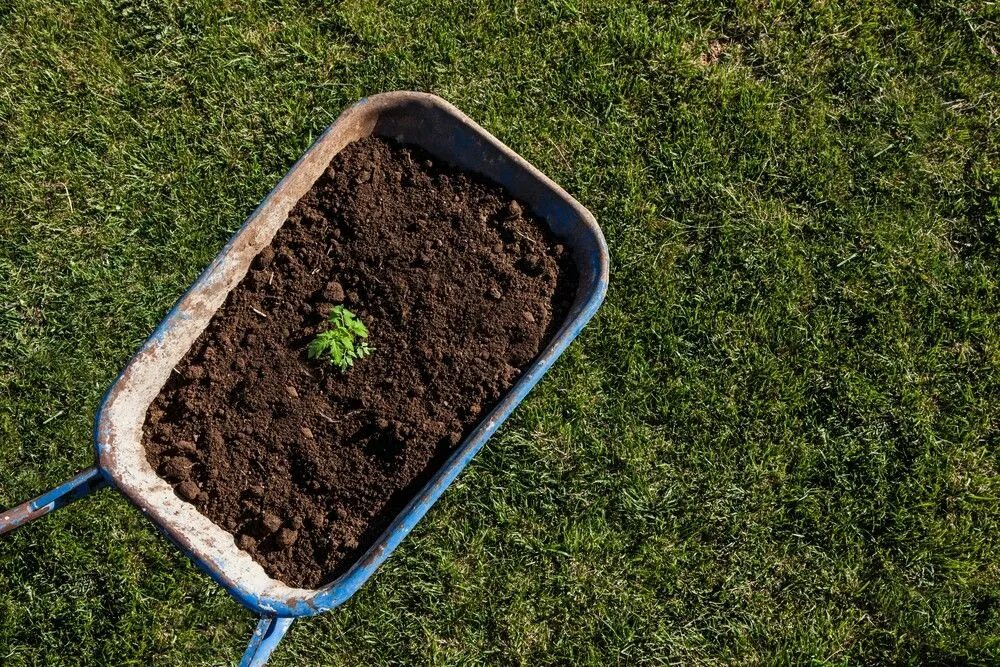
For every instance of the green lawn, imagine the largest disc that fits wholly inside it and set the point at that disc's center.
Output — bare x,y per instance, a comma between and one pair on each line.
778,441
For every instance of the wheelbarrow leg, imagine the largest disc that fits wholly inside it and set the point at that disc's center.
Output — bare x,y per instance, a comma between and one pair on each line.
270,630
82,484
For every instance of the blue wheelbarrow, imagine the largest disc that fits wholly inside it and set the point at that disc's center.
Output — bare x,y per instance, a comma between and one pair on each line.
416,118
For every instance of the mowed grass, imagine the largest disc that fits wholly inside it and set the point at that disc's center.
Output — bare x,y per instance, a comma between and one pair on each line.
776,443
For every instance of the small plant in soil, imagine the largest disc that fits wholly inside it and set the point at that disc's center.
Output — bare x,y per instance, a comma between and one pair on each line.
344,342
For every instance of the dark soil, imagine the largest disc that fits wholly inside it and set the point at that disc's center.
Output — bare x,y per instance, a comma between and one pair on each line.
460,288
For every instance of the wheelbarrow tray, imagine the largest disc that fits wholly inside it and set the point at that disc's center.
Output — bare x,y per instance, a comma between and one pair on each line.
445,132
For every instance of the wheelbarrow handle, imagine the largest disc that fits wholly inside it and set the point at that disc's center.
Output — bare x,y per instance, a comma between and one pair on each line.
82,484
270,629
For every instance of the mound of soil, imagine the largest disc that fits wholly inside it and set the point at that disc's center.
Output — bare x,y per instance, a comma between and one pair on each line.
460,287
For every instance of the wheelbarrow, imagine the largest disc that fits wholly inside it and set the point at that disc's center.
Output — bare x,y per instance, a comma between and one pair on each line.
415,118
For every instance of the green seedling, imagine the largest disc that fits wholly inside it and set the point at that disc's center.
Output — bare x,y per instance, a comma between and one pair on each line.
344,342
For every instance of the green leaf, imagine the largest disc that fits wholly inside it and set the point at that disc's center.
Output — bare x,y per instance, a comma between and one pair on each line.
342,342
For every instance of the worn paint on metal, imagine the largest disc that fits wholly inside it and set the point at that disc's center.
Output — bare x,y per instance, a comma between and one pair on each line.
443,131
266,636
80,485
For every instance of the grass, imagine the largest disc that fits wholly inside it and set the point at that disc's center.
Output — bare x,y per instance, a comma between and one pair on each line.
776,443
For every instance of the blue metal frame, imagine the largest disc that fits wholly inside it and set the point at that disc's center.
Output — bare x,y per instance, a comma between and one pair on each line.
266,637
591,255
80,485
